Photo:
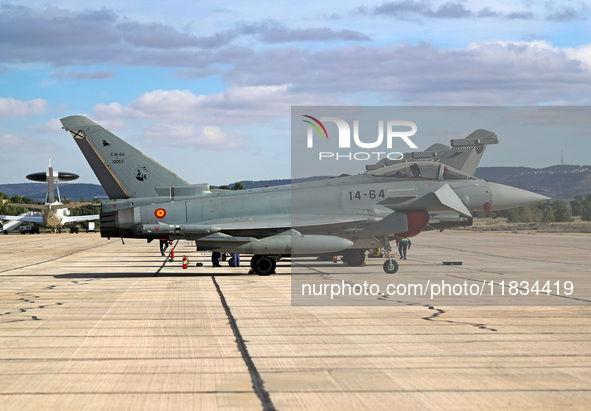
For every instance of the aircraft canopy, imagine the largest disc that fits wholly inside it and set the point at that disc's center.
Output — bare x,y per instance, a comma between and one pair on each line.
423,170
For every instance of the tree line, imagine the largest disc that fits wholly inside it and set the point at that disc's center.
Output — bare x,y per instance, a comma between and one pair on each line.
550,211
12,210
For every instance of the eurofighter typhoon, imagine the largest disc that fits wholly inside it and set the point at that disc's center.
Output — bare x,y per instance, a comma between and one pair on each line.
336,216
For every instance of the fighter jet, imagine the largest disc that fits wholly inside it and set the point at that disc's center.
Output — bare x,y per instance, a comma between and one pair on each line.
53,213
336,215
464,153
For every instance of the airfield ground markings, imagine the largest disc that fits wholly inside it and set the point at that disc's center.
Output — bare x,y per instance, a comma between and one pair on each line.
98,325
117,321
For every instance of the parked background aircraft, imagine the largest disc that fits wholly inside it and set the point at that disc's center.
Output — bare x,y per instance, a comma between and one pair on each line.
8,226
336,215
464,154
53,213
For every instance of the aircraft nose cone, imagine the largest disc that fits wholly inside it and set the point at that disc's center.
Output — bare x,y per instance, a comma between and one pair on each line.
504,197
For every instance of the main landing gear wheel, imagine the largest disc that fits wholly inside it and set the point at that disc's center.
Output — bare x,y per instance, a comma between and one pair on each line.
390,266
355,257
263,265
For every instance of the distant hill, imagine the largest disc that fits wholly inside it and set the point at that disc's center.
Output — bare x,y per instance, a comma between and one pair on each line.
37,191
558,182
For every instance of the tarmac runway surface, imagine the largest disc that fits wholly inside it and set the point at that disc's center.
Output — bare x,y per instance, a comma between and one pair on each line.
90,323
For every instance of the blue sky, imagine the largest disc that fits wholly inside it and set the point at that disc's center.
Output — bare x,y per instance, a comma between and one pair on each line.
207,89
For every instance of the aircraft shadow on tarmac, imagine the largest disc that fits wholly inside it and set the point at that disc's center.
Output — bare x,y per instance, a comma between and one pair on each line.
147,275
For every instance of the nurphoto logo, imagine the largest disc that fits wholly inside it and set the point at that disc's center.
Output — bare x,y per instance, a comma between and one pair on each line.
394,129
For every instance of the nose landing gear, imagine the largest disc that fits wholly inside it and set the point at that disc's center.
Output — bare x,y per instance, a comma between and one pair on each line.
390,265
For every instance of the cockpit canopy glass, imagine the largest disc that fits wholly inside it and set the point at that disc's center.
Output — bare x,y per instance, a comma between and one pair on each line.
421,170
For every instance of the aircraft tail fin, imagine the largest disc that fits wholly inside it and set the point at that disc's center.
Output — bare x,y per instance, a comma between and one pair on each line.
123,171
50,187
464,154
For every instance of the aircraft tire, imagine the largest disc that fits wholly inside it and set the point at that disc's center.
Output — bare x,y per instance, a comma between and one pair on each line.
355,257
231,262
263,265
253,261
390,266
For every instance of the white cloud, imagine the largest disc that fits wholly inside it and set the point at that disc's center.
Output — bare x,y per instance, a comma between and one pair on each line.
236,105
483,73
111,116
188,136
103,36
51,126
489,73
462,9
12,107
581,54
181,113
11,144
171,104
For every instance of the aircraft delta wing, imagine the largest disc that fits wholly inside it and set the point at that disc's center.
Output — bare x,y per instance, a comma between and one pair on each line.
336,216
